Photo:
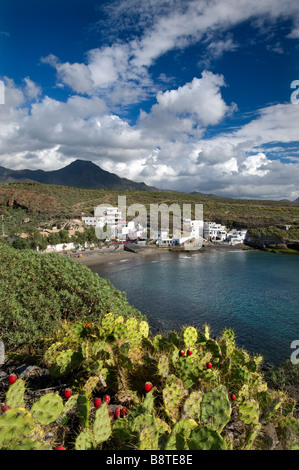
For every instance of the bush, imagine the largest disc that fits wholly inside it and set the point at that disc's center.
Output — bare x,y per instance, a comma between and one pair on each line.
38,291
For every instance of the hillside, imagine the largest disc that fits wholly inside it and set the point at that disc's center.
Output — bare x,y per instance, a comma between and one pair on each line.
79,174
45,202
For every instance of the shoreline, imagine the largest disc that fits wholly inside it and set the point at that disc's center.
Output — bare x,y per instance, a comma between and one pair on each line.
99,257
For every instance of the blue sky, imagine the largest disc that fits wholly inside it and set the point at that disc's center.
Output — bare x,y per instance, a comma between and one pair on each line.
181,94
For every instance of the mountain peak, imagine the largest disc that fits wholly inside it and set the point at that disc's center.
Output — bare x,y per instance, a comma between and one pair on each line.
79,174
85,163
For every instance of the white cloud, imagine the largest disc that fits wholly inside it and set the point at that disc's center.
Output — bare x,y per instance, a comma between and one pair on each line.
201,98
168,146
254,164
166,26
32,90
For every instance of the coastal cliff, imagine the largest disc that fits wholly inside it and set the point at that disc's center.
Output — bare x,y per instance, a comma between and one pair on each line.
274,238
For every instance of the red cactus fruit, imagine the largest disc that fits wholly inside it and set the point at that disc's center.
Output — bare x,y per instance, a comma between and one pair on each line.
4,408
148,386
67,393
12,378
97,402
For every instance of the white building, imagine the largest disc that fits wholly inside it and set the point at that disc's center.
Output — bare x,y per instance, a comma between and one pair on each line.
236,237
110,219
214,232
193,229
107,218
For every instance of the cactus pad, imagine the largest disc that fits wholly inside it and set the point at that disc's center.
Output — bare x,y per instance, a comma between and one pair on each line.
84,441
47,409
205,438
191,408
215,409
102,424
14,423
163,366
83,407
15,394
190,336
144,328
249,412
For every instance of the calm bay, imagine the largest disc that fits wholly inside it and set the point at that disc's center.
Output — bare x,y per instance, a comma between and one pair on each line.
254,293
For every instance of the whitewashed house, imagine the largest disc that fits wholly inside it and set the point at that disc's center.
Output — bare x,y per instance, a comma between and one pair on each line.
193,229
214,232
132,231
111,221
235,237
107,218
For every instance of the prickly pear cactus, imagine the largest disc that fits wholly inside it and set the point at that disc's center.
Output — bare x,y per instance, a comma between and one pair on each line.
144,328
83,407
206,332
102,424
149,401
15,394
227,347
131,324
251,436
249,412
62,363
148,439
191,408
84,441
253,363
118,319
120,331
47,409
14,424
215,409
206,438
239,376
30,444
188,369
180,434
239,356
70,403
215,350
163,366
91,384
107,323
173,395
190,336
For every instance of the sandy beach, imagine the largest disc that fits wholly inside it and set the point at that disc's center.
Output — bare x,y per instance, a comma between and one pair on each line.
97,256
104,256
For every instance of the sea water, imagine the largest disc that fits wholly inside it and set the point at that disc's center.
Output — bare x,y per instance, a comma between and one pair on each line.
254,293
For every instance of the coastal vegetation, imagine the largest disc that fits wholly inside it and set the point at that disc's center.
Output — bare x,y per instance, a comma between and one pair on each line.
39,291
43,203
84,371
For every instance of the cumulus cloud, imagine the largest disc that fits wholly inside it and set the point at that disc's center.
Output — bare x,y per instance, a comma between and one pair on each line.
185,112
169,145
162,26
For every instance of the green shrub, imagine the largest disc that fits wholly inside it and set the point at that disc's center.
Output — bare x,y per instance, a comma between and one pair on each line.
38,291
